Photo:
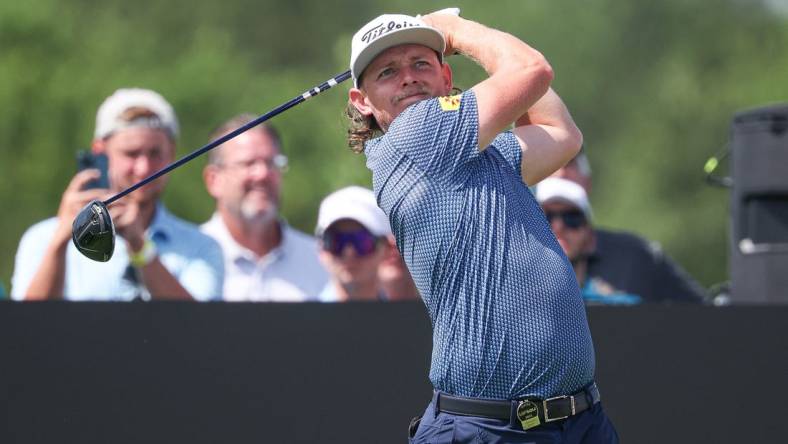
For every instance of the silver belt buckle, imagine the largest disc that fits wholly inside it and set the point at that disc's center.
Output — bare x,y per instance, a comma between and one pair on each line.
547,418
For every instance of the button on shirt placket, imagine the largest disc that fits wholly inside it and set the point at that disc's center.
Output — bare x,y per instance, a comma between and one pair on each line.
264,271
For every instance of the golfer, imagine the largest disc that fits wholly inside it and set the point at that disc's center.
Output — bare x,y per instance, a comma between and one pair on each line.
512,359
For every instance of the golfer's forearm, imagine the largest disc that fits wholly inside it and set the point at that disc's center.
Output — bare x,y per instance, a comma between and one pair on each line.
494,50
519,75
548,136
161,284
549,110
48,281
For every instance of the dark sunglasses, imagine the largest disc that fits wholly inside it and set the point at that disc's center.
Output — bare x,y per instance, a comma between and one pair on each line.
572,219
362,241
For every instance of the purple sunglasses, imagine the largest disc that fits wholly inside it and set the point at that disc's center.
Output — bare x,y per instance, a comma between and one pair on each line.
362,241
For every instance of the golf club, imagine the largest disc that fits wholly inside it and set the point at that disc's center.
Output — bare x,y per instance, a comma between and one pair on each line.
93,232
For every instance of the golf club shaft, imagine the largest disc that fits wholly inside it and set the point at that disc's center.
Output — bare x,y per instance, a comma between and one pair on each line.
284,107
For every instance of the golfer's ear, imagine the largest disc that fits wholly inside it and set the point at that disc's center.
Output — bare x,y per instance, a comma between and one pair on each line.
447,76
359,100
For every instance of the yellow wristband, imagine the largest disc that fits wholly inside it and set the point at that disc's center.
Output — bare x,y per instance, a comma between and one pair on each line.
144,256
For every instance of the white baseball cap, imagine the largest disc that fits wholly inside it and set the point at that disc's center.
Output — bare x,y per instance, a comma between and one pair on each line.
555,189
355,203
389,30
109,117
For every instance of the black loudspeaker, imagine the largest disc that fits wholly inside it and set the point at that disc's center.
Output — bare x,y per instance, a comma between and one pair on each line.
759,206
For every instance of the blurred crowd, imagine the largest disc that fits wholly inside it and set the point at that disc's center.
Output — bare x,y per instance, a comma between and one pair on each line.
247,251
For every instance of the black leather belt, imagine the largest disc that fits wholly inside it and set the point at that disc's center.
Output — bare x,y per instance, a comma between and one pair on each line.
548,410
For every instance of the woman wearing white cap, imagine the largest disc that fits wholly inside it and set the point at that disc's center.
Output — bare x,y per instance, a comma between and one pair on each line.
353,235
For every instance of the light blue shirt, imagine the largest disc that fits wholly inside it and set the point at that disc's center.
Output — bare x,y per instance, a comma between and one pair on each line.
508,318
329,294
193,258
598,292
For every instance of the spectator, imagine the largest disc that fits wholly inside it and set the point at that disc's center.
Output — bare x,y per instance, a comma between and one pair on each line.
354,240
632,272
265,258
159,257
394,276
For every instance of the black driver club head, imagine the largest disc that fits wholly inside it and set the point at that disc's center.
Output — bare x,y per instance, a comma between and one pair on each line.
93,232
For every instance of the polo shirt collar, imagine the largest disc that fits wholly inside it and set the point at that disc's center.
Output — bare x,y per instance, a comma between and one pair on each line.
237,252
161,227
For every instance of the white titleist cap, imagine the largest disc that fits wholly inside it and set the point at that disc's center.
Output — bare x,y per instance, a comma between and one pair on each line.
555,189
355,203
114,114
387,31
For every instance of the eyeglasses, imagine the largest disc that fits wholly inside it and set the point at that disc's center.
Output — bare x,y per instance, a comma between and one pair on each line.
277,163
362,241
573,219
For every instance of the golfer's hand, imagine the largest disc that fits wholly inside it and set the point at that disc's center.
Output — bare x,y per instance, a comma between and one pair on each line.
446,24
125,215
74,199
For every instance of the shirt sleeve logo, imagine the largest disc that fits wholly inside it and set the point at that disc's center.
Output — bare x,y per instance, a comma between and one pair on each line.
450,103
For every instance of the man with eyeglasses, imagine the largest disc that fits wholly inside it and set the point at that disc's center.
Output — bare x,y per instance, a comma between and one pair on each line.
353,235
265,259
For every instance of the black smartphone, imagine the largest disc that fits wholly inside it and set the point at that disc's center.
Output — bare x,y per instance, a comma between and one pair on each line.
86,159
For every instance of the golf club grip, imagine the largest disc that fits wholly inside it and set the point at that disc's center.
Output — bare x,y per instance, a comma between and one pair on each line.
328,84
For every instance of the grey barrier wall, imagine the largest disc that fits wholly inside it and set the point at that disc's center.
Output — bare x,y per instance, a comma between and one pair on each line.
356,373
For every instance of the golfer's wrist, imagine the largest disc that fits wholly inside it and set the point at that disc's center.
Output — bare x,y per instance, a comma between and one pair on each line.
144,255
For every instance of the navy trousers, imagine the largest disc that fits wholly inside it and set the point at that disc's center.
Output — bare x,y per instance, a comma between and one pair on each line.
589,427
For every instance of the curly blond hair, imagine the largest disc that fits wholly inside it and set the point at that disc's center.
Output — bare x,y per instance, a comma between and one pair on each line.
361,128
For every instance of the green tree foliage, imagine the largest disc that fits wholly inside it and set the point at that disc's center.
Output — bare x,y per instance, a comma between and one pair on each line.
652,85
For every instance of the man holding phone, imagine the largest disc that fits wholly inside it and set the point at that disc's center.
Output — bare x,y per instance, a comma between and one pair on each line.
159,256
